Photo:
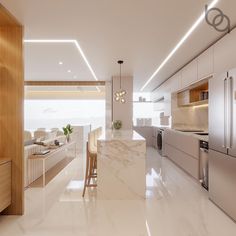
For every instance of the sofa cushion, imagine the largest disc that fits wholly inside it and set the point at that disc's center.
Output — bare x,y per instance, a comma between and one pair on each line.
29,142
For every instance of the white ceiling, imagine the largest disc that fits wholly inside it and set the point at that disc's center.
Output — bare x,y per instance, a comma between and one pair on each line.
141,32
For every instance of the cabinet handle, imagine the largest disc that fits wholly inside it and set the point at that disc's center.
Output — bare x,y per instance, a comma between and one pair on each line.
231,111
225,112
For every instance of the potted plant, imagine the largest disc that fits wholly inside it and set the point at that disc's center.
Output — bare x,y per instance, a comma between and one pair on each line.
67,131
117,124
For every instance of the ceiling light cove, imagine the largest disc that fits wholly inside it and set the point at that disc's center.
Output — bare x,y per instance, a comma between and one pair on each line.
179,44
73,41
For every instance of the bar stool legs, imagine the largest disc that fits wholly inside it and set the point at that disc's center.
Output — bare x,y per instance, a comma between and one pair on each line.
90,171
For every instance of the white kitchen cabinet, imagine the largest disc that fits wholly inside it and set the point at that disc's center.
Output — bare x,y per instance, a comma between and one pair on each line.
183,160
146,132
184,98
205,64
157,94
225,53
189,74
182,141
175,82
183,149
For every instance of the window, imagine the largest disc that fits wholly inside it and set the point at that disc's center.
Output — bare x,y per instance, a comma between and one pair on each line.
57,113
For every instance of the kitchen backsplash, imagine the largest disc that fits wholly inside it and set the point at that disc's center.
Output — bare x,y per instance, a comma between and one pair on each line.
189,117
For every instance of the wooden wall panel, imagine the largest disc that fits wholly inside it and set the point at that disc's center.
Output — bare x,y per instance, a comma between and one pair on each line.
5,184
6,19
11,110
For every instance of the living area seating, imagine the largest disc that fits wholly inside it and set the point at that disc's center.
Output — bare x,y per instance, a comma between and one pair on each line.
31,148
27,136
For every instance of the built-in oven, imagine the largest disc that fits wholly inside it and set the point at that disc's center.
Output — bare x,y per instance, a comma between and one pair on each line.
160,141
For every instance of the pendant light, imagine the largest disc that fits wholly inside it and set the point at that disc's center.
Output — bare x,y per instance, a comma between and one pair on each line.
120,95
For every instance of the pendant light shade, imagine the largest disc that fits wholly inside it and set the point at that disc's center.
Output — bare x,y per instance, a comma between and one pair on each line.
120,95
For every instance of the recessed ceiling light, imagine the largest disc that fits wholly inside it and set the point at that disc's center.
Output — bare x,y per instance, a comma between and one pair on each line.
60,63
178,45
75,42
69,71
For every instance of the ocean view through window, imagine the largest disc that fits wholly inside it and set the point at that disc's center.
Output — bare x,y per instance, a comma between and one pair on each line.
57,113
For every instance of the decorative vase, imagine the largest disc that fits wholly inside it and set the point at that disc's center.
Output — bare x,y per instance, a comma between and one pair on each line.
117,124
68,138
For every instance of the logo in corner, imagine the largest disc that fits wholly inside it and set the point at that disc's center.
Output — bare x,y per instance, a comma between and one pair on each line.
217,19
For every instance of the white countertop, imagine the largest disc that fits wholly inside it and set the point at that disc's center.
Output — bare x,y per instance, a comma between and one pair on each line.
129,135
200,137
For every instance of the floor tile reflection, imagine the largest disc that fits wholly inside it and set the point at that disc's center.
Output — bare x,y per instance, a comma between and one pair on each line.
176,205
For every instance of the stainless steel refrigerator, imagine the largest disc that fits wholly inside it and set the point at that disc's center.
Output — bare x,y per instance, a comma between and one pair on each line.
222,141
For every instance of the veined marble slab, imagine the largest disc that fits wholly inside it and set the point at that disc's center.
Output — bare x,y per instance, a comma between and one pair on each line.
121,165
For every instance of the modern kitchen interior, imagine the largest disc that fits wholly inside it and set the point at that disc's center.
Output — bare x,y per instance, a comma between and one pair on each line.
116,122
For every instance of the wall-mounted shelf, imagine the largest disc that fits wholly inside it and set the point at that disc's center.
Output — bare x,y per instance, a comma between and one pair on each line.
142,101
161,99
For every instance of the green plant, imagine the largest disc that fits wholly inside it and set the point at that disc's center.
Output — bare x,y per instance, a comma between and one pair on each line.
117,124
67,130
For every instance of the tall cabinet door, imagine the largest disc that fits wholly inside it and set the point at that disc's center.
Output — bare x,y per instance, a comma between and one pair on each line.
217,119
232,100
222,181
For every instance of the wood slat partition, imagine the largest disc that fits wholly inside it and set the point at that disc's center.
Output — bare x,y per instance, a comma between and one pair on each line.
11,106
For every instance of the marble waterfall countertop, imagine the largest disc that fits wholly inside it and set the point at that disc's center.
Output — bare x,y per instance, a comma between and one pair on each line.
121,167
129,135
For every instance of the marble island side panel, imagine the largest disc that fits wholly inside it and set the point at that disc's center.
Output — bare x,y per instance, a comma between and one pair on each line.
121,166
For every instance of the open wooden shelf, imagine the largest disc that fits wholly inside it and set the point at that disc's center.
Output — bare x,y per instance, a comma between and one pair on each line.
194,96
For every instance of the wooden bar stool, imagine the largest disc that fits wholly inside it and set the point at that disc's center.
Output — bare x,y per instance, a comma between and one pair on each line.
91,169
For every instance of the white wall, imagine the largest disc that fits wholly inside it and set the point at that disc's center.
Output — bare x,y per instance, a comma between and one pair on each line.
108,89
123,111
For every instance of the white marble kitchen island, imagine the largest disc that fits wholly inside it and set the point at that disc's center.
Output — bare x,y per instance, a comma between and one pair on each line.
121,165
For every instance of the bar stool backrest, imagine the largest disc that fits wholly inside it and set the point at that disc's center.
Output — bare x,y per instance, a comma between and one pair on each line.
92,139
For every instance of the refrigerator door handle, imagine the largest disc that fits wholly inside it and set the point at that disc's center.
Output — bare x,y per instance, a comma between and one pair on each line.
231,118
225,112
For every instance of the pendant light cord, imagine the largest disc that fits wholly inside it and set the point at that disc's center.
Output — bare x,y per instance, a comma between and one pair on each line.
120,76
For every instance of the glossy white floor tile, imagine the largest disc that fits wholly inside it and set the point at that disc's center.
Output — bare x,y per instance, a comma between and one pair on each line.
175,206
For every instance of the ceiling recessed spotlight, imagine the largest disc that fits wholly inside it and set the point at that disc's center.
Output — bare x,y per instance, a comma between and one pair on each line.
60,62
69,71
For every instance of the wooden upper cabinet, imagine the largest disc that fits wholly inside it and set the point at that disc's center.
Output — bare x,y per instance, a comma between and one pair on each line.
189,74
225,53
205,64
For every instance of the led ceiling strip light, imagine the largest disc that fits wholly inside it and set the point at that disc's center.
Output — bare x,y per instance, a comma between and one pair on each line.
73,41
179,44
